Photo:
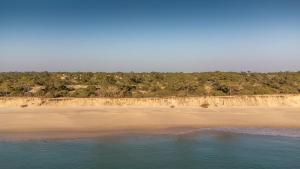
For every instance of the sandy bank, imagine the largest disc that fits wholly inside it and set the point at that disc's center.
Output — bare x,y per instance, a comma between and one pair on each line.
212,101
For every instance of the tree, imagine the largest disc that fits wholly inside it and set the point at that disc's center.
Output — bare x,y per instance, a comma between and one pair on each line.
5,89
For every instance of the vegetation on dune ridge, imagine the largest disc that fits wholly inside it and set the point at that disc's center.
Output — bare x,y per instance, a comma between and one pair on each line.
154,84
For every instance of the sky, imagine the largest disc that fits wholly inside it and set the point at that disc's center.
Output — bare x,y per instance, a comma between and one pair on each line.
150,35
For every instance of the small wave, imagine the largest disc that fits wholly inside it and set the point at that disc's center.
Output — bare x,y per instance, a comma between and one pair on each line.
283,132
286,132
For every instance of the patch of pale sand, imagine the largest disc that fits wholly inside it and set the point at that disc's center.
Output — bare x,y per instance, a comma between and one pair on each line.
80,121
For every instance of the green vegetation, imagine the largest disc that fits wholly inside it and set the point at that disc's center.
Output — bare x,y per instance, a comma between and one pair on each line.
65,84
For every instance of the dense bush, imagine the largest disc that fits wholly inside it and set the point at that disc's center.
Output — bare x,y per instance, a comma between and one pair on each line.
154,84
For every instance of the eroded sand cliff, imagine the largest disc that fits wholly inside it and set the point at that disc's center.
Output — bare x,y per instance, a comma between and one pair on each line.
209,101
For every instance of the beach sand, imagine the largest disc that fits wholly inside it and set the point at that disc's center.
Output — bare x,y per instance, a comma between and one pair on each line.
48,122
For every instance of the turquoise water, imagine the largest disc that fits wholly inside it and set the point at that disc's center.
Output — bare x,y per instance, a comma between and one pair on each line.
205,150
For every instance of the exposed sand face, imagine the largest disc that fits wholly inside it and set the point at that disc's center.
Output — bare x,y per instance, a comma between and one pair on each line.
212,101
87,121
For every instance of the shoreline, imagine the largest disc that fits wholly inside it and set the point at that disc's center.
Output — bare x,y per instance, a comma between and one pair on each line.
169,132
84,122
83,118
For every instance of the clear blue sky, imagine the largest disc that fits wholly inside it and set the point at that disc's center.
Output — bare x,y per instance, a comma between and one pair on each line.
150,35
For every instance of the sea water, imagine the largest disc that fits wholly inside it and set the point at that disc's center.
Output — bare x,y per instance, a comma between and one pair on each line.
211,149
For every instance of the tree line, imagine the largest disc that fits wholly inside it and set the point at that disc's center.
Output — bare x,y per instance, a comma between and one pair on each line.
152,84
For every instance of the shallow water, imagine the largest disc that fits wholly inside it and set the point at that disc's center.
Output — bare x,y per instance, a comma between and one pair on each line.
204,150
